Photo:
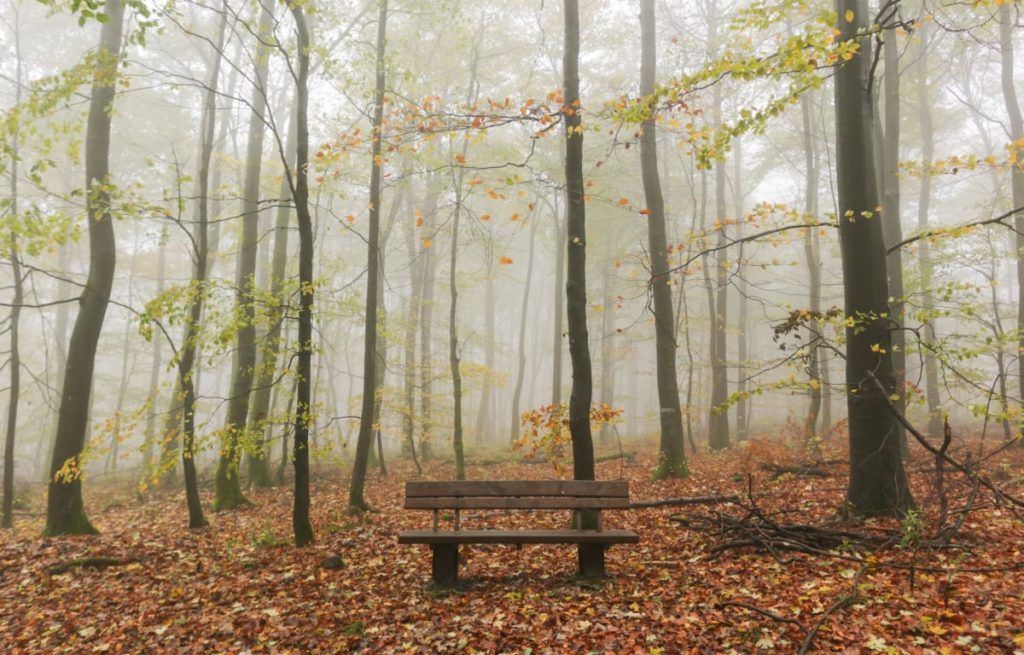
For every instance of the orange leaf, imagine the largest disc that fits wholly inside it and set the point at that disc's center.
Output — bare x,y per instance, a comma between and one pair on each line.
504,261
477,122
623,202
485,217
460,158
645,212
350,218
419,222
515,217
427,243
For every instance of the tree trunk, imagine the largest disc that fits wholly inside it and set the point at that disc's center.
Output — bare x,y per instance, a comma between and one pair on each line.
1017,172
426,328
65,513
892,228
228,487
259,459
301,525
718,417
156,362
484,420
356,501
607,396
743,403
559,320
412,313
812,255
591,557
931,369
878,483
7,521
524,311
672,450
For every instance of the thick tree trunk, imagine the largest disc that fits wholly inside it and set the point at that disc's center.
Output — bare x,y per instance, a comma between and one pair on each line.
591,557
65,513
672,450
878,483
356,501
228,487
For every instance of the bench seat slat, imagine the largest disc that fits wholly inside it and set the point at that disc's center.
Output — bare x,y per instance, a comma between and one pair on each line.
581,488
518,537
515,502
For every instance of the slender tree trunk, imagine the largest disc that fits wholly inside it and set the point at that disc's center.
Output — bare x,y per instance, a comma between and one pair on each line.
228,487
591,557
743,402
559,321
607,396
301,525
524,312
878,483
356,501
484,420
156,362
718,420
892,228
7,521
15,355
65,513
811,254
412,313
931,370
189,355
259,458
426,330
672,450
1017,172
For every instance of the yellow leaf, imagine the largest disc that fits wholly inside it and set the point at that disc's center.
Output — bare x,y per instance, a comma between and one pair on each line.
849,15
427,243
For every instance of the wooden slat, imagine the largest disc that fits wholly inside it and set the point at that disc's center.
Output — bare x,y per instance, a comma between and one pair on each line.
592,488
515,502
519,537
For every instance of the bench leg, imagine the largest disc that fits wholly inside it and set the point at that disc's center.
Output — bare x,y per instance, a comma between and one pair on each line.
445,566
591,559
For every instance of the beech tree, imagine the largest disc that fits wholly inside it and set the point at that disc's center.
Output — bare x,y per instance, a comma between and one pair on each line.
878,483
65,513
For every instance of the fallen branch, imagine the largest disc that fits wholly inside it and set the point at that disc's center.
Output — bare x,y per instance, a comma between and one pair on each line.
844,600
763,612
88,563
686,500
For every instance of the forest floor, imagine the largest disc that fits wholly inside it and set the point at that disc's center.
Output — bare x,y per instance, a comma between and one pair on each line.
239,586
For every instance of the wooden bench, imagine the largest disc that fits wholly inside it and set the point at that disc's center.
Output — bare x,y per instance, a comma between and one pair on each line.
585,498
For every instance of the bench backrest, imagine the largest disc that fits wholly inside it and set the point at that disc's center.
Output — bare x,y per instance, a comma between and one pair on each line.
517,494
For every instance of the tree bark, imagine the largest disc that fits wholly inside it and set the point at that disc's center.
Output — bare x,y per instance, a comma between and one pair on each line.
356,500
301,524
812,254
1017,172
892,228
65,513
156,362
878,483
591,557
426,372
227,482
259,459
672,450
524,311
931,369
